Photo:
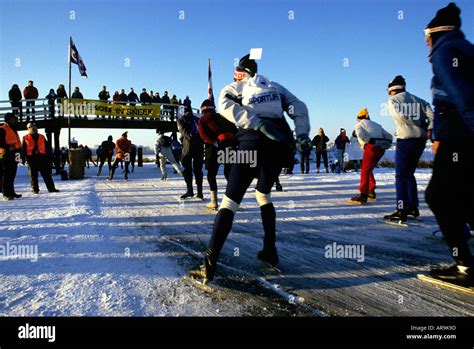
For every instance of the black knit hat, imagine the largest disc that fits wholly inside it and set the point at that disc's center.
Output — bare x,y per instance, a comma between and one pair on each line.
447,16
207,104
248,65
8,116
398,83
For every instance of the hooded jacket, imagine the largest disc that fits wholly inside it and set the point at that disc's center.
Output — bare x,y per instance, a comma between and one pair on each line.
452,86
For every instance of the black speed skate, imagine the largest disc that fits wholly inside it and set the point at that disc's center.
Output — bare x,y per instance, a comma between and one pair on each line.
414,213
396,216
269,256
206,271
187,195
458,275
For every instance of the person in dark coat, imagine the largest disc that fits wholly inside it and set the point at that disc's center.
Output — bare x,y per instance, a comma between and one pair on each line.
320,142
30,93
15,97
450,193
51,98
61,94
104,96
133,156
10,155
341,142
77,95
107,152
192,154
145,97
133,97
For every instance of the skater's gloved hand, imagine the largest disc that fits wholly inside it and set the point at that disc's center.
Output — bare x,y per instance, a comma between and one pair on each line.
303,143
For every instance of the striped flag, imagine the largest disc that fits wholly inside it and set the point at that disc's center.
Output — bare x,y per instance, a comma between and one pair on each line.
210,92
76,59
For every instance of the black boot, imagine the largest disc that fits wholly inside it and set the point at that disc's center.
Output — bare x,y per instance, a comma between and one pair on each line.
199,195
269,256
455,274
372,196
187,195
206,270
414,212
398,215
359,199
111,174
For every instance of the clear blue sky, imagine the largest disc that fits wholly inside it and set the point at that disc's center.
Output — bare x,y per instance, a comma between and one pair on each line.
305,54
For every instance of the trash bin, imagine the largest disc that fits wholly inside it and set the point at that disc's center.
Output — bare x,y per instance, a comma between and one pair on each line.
76,164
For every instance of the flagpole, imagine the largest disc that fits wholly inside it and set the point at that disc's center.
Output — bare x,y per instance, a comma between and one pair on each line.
69,95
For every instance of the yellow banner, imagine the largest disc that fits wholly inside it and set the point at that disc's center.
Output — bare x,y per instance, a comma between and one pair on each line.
93,107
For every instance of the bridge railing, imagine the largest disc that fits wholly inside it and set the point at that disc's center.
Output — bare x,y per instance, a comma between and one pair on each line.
40,109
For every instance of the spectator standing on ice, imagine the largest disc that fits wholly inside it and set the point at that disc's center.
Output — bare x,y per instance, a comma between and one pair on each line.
10,155
341,141
320,142
35,153
374,140
450,193
414,121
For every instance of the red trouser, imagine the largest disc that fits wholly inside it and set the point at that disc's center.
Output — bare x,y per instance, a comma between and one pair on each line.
372,155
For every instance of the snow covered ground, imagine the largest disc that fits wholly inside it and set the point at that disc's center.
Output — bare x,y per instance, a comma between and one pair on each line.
121,247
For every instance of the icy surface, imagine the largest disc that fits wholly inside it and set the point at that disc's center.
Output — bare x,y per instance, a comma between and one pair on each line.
118,248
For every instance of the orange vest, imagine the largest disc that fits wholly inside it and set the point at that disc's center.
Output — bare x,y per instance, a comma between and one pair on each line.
11,138
31,144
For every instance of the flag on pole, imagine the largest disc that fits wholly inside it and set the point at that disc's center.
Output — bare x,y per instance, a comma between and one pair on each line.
76,59
210,92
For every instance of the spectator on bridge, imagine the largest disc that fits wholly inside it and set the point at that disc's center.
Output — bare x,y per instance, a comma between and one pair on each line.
51,98
123,98
104,96
157,98
144,97
151,96
35,151
174,108
166,100
14,95
61,94
77,95
133,98
187,102
30,92
107,152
